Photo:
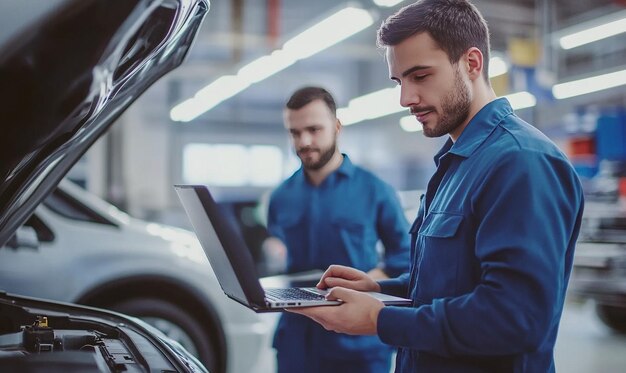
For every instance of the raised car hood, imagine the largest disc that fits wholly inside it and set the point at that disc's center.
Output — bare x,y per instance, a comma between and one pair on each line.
68,76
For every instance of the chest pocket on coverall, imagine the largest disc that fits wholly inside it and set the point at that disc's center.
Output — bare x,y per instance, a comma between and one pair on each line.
439,248
358,242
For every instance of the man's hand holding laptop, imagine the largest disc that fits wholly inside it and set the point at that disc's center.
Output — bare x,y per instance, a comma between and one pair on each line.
358,314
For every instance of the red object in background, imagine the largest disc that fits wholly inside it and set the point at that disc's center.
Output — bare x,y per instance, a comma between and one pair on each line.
582,145
622,186
273,22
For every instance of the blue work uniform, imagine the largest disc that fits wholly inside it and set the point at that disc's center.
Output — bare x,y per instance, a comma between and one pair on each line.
492,250
339,221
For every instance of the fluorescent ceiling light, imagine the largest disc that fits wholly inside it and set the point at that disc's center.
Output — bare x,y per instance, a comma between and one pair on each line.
265,66
497,66
589,85
521,100
594,30
225,85
410,124
324,34
208,97
328,32
387,3
372,105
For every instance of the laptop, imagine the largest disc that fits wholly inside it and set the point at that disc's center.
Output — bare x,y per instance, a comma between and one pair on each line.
233,264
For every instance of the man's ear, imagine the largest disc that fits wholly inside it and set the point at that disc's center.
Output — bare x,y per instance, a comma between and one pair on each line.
474,63
338,125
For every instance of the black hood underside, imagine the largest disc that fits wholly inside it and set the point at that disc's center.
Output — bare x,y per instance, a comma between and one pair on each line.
66,78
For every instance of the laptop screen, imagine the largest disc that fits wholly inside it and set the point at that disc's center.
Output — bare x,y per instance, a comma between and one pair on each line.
231,261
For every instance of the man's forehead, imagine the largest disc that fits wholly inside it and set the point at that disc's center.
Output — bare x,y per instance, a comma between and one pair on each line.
417,50
315,113
315,107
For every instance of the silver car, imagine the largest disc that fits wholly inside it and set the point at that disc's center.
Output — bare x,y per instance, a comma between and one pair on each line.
68,72
89,252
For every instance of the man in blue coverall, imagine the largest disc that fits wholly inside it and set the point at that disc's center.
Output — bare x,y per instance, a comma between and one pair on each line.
493,242
331,211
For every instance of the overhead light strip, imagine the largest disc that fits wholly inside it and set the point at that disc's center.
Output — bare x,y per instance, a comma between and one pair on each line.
315,39
387,3
329,32
592,31
497,66
410,124
589,85
521,100
372,105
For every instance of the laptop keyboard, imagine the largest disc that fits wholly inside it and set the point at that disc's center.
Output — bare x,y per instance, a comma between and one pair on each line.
292,294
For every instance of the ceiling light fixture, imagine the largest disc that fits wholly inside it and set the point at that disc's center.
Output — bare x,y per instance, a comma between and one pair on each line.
497,66
387,3
372,105
591,31
521,100
410,124
589,85
328,32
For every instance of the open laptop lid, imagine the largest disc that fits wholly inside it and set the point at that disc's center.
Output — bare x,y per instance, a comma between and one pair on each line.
233,265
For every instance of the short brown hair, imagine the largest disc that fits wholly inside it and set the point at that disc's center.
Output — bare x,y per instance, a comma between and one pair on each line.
455,25
306,95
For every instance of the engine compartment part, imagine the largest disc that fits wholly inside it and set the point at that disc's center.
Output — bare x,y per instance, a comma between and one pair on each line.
36,341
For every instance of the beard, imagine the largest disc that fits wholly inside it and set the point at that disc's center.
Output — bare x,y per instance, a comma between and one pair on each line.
455,107
325,155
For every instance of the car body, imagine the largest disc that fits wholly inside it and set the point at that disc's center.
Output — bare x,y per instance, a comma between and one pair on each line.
153,271
67,74
600,261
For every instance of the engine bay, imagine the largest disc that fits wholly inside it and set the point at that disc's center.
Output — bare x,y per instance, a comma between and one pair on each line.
35,340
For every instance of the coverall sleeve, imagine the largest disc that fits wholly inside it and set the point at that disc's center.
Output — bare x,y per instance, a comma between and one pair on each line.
274,229
396,286
393,230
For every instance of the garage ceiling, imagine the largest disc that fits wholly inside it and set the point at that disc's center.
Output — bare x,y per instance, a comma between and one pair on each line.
239,31
147,149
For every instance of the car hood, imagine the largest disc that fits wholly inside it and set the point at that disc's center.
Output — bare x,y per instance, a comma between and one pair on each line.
67,76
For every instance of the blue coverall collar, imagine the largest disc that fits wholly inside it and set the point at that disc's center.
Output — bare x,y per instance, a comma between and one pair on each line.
477,130
346,168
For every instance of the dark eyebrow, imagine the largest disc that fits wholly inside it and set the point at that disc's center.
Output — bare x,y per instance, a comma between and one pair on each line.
411,70
307,128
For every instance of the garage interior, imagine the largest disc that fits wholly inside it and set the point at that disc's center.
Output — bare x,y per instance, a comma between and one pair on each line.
217,120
